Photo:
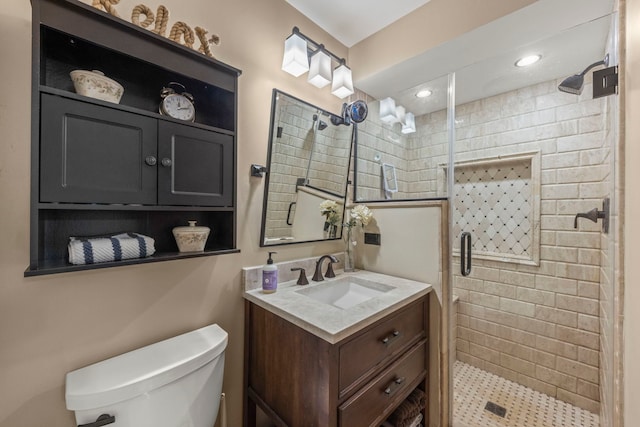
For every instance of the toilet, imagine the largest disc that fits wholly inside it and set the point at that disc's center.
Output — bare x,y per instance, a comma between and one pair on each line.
173,383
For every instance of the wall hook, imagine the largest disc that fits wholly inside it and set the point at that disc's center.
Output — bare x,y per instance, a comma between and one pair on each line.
258,170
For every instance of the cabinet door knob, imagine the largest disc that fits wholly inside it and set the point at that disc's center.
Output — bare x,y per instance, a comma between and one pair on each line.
151,160
166,162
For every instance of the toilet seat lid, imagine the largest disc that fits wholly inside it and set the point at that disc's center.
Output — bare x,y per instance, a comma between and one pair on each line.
140,371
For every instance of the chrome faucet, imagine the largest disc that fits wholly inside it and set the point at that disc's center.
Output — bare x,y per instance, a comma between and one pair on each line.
317,276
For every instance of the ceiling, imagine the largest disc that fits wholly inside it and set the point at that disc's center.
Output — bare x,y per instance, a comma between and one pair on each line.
354,20
569,34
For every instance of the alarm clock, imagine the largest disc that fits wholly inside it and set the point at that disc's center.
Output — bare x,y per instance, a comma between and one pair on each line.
177,103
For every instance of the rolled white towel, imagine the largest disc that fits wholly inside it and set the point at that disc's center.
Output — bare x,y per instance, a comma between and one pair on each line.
90,250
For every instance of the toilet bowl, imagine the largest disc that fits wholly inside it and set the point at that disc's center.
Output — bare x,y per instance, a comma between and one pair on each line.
172,383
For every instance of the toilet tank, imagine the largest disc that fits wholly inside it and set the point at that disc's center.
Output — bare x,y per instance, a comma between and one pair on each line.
173,383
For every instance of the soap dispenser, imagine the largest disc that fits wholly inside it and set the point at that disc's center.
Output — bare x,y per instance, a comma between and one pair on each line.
269,276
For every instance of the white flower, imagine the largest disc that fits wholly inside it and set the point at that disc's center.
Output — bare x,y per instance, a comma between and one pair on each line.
360,214
331,210
328,206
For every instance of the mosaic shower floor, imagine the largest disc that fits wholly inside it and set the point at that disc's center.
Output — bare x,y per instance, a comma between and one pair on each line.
473,388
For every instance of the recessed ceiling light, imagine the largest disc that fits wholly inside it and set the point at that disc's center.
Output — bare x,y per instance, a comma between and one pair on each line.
423,93
528,60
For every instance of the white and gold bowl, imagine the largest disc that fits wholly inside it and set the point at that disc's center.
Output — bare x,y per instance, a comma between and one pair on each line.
95,84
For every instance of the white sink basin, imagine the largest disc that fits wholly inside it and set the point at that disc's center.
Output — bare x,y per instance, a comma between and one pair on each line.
346,292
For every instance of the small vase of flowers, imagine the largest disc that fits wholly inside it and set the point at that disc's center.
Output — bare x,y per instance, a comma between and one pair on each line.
333,215
360,216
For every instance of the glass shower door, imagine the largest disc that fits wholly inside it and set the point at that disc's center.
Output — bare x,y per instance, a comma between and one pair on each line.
532,268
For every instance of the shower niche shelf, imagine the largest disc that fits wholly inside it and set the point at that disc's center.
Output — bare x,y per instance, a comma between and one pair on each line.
497,199
100,168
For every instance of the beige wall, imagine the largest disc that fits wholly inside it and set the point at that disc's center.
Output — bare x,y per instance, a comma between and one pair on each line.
632,213
53,324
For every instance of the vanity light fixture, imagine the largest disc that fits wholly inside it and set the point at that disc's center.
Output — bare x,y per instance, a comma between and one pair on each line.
423,93
296,62
388,110
342,85
391,113
400,113
409,125
527,60
320,69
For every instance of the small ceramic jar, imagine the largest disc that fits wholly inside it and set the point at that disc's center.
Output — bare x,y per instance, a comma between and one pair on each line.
191,238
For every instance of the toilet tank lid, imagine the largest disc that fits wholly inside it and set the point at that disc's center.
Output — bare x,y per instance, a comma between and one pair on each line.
140,371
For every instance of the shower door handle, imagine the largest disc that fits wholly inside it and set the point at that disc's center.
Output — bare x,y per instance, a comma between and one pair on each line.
291,205
465,253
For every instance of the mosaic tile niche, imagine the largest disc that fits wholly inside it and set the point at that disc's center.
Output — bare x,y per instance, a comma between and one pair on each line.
498,201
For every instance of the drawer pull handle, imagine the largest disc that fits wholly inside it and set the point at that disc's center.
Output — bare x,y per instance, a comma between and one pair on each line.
391,388
389,338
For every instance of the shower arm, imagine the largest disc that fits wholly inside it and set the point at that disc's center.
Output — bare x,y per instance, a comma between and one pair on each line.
604,62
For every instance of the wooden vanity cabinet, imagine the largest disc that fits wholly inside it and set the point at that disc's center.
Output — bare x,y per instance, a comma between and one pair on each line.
103,168
300,379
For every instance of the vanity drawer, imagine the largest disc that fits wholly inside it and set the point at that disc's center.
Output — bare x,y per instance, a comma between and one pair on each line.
386,391
362,355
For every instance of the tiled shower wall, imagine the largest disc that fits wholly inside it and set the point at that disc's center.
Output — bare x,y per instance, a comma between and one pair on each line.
379,143
290,159
539,325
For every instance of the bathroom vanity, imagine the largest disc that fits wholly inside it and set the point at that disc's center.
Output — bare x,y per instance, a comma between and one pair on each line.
328,355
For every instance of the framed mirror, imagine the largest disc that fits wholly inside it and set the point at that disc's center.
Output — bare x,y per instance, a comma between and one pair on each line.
308,166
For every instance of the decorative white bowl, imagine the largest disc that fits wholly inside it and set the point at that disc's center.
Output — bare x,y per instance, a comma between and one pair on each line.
95,84
191,238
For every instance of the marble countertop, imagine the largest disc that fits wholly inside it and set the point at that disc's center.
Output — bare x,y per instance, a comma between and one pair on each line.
331,323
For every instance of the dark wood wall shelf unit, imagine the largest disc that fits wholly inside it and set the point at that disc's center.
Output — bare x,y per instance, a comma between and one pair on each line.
299,379
100,168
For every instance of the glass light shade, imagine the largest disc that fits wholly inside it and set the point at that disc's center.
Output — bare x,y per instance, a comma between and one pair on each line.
388,110
409,125
295,60
342,85
320,69
400,113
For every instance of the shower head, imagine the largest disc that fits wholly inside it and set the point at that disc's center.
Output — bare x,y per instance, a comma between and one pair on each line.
322,125
574,84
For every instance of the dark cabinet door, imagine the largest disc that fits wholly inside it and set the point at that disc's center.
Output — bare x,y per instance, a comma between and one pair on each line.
95,154
195,166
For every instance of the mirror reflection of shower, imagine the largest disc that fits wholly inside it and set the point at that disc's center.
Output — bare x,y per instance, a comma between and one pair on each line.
308,164
318,125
